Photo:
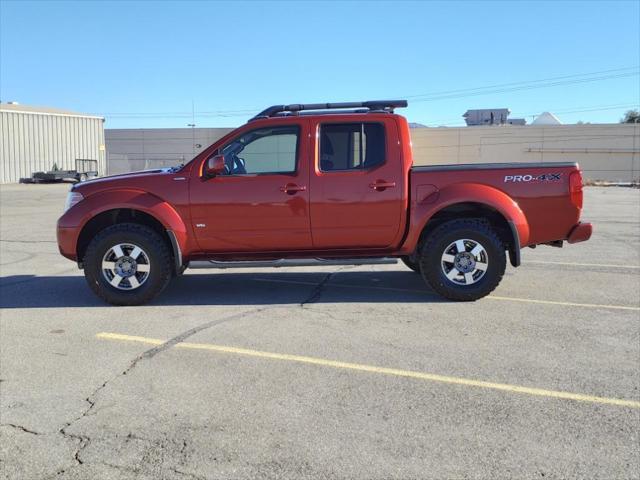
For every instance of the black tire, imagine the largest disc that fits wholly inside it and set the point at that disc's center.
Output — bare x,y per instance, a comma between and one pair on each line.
153,246
413,265
436,245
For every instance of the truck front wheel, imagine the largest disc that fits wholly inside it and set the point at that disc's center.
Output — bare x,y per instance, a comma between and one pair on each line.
127,264
412,263
463,259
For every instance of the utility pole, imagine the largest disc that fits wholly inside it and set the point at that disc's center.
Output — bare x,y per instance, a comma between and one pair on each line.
193,128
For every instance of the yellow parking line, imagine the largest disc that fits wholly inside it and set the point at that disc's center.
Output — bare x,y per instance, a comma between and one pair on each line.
382,370
490,297
524,262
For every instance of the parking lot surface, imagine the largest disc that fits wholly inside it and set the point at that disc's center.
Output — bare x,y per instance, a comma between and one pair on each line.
345,372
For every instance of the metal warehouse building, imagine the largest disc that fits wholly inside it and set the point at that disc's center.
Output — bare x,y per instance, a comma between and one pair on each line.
33,139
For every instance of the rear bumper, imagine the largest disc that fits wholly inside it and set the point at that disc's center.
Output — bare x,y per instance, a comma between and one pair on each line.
580,233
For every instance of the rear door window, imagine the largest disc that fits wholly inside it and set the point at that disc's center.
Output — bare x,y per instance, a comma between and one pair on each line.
351,146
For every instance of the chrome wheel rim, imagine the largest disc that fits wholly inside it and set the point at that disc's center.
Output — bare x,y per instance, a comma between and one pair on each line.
464,262
126,266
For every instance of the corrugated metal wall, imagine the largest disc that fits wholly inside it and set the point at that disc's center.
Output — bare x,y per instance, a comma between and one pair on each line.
32,142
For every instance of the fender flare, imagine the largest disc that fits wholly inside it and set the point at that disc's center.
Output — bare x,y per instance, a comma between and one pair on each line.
142,201
424,207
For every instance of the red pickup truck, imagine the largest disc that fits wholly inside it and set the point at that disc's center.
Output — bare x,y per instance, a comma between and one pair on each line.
318,183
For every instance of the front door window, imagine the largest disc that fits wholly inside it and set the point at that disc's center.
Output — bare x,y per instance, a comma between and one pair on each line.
262,151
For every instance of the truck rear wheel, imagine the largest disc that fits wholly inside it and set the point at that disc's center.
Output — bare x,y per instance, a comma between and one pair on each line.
127,264
463,259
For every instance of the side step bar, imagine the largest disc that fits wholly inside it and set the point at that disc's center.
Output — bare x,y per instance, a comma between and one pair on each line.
292,262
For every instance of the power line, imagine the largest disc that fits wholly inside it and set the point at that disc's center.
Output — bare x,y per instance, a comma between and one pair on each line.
527,87
425,97
179,114
563,77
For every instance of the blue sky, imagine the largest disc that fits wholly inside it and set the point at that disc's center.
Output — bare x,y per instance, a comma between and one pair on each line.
143,64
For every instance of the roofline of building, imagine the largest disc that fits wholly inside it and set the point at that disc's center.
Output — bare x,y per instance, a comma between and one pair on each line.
17,109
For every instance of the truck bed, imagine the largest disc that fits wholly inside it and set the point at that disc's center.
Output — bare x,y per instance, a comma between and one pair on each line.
490,166
540,190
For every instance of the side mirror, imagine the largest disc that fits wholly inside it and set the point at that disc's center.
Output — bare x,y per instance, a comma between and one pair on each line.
213,166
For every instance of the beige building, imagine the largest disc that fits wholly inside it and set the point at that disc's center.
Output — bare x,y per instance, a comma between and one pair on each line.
131,149
609,152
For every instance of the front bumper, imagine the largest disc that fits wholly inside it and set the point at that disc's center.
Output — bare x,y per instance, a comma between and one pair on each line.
580,233
67,237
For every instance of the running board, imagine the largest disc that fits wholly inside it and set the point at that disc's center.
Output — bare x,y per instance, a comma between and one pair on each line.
293,262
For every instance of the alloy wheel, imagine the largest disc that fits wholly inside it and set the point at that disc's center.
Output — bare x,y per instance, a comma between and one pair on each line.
126,266
464,262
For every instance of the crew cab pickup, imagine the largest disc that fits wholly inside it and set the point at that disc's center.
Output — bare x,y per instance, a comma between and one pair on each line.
318,183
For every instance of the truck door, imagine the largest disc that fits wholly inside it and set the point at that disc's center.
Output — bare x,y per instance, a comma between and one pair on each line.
357,186
261,201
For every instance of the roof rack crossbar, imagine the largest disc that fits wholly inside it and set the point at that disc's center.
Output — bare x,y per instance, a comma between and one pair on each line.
324,112
373,105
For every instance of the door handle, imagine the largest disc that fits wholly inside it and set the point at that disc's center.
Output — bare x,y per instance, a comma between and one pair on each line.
381,185
292,188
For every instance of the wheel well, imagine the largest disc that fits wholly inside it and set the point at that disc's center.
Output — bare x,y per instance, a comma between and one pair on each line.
477,210
113,217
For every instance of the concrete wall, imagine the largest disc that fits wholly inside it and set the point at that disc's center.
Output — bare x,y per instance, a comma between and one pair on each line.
32,141
275,153
605,152
145,148
608,152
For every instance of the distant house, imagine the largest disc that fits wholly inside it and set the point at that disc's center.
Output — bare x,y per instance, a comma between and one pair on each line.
546,118
491,116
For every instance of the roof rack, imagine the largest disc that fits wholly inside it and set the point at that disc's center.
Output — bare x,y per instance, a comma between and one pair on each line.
377,106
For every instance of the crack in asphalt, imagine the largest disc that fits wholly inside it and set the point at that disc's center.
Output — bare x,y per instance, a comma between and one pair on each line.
187,474
21,428
162,445
119,467
319,289
136,471
84,441
188,333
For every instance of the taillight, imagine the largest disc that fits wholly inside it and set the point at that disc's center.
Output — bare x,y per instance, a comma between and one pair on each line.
575,188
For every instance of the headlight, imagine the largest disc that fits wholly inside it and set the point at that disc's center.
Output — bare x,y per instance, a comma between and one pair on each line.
72,199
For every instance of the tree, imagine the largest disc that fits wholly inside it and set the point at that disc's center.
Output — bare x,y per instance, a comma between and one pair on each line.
632,116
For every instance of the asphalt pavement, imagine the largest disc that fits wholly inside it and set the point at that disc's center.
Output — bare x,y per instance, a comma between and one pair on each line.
327,372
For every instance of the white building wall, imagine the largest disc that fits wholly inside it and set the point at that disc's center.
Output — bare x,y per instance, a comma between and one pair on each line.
32,141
